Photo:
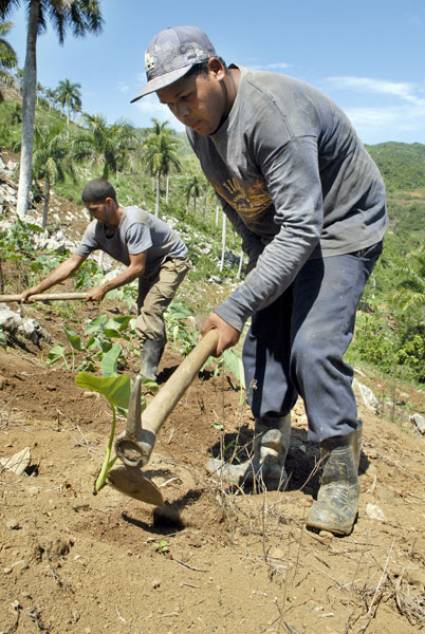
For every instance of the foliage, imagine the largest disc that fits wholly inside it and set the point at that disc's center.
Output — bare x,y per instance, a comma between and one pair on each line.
8,58
116,390
97,349
104,146
68,95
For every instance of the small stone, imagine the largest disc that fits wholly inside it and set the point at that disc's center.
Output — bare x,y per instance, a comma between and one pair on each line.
419,422
18,462
326,534
7,571
13,525
374,512
156,584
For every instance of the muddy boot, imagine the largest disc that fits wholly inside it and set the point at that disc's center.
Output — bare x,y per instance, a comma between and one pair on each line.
151,353
335,509
271,445
266,469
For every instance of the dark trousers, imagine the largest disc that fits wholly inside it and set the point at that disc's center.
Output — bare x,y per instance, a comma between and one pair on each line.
296,345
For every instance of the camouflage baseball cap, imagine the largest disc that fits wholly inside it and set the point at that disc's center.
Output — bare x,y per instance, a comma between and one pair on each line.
171,54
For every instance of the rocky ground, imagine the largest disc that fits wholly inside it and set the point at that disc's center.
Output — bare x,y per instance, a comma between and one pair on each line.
74,562
224,561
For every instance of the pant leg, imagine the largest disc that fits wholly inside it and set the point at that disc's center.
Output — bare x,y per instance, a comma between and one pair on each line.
265,356
155,294
326,294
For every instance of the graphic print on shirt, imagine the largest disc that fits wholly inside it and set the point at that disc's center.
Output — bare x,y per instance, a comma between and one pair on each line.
250,200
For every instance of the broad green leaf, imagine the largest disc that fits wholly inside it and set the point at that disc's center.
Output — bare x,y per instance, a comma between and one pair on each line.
115,388
118,323
55,354
109,360
96,325
74,339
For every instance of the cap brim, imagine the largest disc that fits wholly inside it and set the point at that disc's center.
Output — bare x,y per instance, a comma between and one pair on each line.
157,83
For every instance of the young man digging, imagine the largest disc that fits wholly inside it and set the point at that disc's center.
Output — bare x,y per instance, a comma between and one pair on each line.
151,251
309,204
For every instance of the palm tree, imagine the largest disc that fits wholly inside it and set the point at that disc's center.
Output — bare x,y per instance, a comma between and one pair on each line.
8,58
160,157
103,143
50,96
81,16
52,160
193,190
68,95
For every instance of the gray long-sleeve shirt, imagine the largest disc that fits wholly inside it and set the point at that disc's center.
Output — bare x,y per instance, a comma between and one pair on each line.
295,181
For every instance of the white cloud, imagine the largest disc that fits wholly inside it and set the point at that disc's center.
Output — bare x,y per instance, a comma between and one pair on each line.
277,66
150,107
124,88
402,90
374,125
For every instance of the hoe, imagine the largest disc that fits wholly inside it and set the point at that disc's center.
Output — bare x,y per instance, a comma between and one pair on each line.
135,446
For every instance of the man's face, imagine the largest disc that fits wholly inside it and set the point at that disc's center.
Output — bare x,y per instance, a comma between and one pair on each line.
198,101
103,211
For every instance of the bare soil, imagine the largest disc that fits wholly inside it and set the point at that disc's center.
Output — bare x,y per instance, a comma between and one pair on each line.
221,561
224,561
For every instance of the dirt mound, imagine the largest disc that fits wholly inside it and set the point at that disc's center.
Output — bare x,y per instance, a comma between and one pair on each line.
210,560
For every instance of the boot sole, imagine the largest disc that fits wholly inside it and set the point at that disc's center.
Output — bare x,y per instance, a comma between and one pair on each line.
342,531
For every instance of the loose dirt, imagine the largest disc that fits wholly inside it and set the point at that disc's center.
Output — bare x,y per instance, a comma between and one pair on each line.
211,560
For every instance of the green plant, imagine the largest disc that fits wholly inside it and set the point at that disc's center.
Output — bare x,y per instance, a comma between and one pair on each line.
163,547
116,390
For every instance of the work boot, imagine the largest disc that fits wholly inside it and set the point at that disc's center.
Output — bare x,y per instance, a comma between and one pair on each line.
151,353
335,509
266,469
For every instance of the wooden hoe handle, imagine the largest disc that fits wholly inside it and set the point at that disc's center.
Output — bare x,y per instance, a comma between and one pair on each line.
42,297
170,393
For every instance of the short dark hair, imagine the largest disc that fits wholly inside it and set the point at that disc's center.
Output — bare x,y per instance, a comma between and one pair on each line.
202,67
97,190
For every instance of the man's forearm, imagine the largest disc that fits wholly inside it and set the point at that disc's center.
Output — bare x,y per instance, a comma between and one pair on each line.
125,277
61,273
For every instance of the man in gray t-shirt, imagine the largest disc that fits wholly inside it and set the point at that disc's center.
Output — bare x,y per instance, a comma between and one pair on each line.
309,204
151,252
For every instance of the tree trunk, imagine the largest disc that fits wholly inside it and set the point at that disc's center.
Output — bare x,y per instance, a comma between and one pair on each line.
157,194
46,196
223,241
238,275
167,188
29,84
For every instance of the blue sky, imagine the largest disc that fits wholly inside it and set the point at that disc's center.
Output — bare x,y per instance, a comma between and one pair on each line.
367,55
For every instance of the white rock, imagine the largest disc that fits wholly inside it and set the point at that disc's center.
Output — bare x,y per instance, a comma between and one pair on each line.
419,421
368,397
374,512
18,462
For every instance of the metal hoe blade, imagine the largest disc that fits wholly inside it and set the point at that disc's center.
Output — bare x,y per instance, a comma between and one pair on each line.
132,482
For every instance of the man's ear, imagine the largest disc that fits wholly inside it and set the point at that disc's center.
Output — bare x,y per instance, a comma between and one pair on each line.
216,67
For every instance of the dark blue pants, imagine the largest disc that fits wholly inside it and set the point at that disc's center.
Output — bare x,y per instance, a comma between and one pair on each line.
296,345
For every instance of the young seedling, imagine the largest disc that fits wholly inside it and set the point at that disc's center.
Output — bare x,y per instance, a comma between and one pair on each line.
116,390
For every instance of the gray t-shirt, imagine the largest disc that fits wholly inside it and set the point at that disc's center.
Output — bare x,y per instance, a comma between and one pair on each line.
137,232
294,179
